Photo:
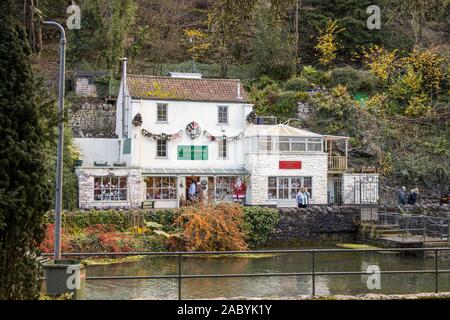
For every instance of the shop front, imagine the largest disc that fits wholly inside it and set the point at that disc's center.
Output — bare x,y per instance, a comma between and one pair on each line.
172,188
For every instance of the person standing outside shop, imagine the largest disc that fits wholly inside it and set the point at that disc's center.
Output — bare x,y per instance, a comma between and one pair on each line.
192,191
302,197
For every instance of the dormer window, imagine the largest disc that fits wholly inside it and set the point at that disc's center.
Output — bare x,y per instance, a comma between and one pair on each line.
161,112
222,115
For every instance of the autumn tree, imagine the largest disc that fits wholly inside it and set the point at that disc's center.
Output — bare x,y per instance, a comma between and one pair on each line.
327,43
380,62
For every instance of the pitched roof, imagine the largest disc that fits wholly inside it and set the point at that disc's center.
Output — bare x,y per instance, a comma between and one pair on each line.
169,88
279,130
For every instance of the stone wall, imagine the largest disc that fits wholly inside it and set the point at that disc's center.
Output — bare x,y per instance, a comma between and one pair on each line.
315,221
92,118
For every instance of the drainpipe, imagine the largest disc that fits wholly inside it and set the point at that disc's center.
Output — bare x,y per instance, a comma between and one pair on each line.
124,98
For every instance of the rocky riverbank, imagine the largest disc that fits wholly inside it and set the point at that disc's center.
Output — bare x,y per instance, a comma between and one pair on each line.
370,296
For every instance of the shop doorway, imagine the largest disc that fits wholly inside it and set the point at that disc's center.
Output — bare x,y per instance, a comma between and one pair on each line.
192,192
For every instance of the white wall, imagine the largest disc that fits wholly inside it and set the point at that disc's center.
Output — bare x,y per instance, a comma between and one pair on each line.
97,149
181,113
262,166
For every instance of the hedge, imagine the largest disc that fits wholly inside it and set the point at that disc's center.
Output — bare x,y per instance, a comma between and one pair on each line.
259,221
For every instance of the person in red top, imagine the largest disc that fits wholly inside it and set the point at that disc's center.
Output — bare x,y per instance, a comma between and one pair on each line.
239,190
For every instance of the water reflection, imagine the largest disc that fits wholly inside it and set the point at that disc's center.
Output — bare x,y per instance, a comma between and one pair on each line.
263,286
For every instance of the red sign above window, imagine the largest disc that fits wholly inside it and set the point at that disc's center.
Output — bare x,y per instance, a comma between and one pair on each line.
289,165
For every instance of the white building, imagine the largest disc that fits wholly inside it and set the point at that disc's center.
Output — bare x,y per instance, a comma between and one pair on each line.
183,128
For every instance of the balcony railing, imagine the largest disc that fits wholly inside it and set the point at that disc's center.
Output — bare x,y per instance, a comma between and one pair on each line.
337,163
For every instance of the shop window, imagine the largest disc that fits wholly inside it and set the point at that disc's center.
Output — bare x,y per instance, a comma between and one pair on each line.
224,188
307,183
287,187
110,188
272,191
161,188
283,188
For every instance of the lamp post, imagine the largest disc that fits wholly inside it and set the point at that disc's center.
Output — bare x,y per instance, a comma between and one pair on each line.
59,158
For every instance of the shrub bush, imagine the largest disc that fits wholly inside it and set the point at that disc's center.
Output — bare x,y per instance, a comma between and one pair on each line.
164,217
297,84
84,219
259,223
355,80
213,227
122,220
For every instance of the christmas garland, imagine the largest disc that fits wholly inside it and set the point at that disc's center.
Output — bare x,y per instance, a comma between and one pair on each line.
161,136
223,137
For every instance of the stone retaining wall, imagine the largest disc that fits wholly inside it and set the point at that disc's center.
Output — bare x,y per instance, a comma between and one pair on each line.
314,222
92,117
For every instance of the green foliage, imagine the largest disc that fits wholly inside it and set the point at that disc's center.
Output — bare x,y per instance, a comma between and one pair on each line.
335,112
104,30
297,84
271,54
314,76
84,219
25,193
355,80
260,223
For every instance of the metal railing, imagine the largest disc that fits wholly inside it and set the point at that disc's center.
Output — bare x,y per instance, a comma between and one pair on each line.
313,273
410,224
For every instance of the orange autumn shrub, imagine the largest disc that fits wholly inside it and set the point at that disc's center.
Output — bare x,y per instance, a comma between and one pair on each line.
104,238
212,227
46,245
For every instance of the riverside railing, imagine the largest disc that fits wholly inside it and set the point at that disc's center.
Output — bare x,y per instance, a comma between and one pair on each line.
313,273
435,228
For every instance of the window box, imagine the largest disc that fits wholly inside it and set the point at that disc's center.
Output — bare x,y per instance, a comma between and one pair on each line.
78,163
100,164
119,164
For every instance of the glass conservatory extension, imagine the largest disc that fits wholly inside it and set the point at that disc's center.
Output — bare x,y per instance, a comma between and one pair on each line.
281,139
275,145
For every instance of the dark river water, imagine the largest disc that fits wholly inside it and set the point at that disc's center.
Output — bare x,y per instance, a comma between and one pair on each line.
267,287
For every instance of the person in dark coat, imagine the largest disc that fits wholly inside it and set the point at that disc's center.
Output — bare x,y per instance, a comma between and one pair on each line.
401,196
412,199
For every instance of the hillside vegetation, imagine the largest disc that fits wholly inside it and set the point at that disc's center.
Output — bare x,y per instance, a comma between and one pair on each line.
387,89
